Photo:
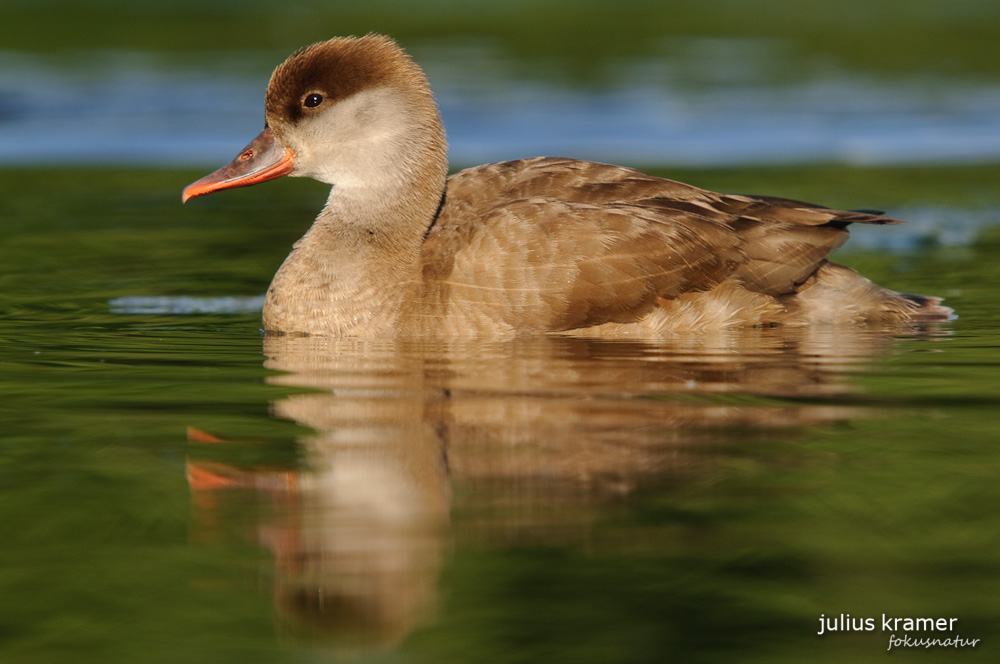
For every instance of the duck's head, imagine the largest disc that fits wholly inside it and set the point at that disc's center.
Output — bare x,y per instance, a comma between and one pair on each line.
348,111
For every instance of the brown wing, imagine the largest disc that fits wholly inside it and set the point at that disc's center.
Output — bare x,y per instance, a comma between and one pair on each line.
786,241
556,244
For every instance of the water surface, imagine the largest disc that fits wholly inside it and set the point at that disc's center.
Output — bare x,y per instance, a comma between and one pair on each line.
178,487
678,107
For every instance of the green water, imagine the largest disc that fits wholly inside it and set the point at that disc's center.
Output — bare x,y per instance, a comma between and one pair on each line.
582,35
567,500
558,500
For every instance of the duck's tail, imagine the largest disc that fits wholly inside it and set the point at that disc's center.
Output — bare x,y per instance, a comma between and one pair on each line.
836,294
928,308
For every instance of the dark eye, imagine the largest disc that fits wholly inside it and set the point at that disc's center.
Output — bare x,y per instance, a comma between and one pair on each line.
313,100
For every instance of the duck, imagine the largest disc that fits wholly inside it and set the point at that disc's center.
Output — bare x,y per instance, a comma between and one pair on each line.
543,245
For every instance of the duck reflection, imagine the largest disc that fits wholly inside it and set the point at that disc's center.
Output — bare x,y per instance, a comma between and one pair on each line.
517,429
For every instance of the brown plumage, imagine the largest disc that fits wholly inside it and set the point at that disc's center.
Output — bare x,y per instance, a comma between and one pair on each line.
529,246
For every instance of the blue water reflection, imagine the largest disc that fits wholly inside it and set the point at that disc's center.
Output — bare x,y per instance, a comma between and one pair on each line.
683,108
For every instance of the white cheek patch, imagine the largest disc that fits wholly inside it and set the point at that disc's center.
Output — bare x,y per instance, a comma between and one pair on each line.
360,141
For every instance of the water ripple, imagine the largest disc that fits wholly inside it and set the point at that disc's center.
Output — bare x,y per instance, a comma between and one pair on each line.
183,305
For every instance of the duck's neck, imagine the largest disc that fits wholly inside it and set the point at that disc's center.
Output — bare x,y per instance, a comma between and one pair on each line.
357,270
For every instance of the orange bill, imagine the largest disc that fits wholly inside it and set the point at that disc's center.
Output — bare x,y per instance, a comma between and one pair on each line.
264,159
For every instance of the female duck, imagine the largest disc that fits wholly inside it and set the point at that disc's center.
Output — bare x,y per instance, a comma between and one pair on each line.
528,246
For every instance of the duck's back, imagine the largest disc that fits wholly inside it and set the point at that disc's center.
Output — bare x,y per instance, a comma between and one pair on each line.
559,245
